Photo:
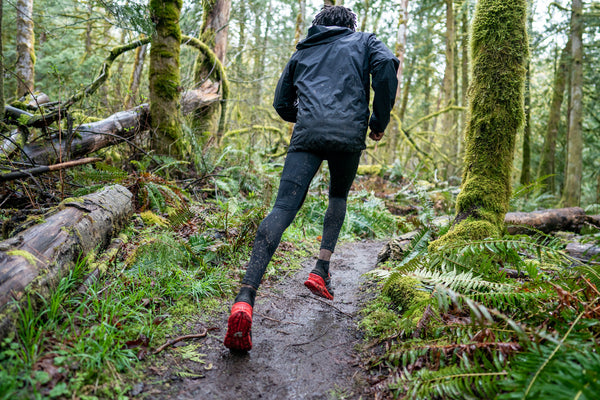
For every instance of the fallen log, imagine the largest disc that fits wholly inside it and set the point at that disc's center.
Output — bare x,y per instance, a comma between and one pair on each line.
118,128
562,219
11,176
36,259
587,252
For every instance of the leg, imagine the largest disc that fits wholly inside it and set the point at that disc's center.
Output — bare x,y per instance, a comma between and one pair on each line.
342,167
298,171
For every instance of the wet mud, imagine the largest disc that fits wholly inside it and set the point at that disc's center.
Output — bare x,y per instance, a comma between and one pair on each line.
303,346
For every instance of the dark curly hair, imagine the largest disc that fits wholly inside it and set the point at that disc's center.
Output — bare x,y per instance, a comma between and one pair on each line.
336,16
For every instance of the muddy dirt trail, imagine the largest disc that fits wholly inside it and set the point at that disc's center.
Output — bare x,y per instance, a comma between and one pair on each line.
303,346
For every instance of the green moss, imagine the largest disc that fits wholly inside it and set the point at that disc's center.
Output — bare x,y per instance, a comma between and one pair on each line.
150,218
404,291
466,231
31,259
369,169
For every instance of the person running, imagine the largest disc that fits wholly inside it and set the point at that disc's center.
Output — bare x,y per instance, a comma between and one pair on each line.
324,89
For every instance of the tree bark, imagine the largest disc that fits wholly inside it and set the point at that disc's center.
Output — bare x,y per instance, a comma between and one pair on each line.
499,56
164,77
34,261
572,189
547,162
25,67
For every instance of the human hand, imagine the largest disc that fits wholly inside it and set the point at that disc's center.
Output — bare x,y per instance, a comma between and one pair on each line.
376,136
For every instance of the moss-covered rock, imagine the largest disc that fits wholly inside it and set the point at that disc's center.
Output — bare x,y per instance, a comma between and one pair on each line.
404,291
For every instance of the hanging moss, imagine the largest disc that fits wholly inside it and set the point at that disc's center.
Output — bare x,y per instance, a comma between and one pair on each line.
499,47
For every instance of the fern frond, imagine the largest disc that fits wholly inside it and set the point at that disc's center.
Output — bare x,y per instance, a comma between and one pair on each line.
453,382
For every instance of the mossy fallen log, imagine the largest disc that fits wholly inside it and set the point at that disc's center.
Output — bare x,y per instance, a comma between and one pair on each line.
34,261
118,128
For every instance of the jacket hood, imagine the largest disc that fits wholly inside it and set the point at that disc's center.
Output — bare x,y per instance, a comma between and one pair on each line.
321,34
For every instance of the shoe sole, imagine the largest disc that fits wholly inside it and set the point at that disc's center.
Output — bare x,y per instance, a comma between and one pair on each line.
239,335
318,290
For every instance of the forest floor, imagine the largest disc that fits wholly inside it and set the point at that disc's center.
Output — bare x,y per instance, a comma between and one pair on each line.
304,347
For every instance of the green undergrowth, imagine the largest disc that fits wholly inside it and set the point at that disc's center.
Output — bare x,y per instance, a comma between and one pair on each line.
510,318
178,270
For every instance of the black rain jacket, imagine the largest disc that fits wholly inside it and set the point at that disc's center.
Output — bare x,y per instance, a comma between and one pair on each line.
324,89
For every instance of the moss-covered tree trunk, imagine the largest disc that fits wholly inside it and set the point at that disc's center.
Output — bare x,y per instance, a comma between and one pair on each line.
25,67
164,77
499,50
547,162
572,188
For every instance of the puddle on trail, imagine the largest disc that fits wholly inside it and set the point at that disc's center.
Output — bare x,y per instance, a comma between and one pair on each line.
303,347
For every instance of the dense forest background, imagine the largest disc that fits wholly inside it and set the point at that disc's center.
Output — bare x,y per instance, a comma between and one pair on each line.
71,40
171,100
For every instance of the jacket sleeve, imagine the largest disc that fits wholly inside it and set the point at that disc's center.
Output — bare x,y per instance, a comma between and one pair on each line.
286,100
383,68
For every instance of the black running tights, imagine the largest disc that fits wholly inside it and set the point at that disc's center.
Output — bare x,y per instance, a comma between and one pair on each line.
298,171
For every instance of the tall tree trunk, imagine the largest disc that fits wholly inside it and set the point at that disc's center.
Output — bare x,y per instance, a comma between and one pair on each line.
300,21
572,190
464,80
363,24
164,77
213,32
526,166
401,42
547,162
448,87
1,67
24,68
88,30
500,53
136,76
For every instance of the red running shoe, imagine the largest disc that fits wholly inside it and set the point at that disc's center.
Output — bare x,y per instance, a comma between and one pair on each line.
319,286
239,325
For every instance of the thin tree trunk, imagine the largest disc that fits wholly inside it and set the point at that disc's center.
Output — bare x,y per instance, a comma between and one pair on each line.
300,18
88,30
526,166
214,33
448,87
25,67
401,42
572,189
1,67
164,77
363,24
547,162
500,53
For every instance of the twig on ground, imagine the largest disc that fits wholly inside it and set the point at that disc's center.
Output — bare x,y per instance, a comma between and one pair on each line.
276,320
179,339
330,305
325,332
